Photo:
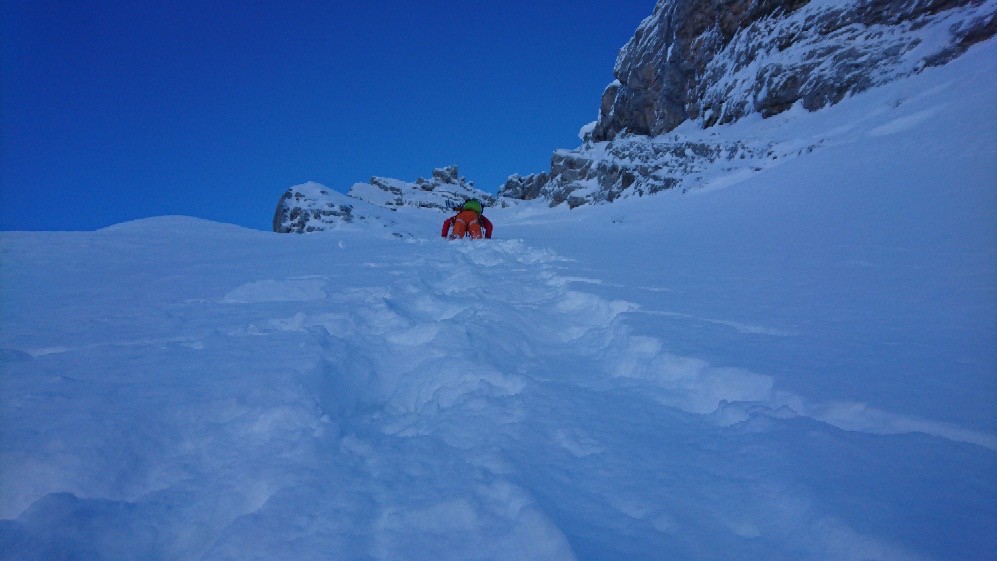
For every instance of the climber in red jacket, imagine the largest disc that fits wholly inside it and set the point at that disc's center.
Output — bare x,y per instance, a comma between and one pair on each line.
468,221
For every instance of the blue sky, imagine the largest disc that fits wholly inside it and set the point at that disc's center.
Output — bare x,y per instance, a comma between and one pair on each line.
113,111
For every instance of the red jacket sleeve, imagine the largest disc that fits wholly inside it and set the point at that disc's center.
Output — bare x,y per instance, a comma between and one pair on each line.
487,224
446,226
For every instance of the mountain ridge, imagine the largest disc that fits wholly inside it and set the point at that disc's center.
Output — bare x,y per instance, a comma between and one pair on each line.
312,207
693,66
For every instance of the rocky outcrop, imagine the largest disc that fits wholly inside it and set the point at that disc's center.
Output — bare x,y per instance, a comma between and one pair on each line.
716,61
711,62
312,207
637,166
525,188
443,190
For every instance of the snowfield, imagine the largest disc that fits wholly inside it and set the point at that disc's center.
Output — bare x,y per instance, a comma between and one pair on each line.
792,364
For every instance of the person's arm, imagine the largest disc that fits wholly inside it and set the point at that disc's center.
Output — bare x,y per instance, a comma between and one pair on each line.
488,226
446,226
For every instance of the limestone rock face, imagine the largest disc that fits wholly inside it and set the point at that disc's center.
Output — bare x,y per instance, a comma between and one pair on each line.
709,62
717,61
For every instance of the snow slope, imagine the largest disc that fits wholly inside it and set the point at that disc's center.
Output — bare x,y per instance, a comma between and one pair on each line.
793,364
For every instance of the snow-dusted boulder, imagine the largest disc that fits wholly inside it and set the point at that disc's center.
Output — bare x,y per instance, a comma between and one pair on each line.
712,62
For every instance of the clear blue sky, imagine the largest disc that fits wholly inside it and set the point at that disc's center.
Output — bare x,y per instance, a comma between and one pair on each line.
113,111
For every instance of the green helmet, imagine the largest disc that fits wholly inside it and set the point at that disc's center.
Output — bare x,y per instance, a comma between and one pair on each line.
472,204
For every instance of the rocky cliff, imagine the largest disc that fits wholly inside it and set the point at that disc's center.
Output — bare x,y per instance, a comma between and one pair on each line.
698,64
714,62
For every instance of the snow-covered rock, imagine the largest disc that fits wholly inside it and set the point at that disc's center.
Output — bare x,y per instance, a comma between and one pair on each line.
442,191
312,207
703,63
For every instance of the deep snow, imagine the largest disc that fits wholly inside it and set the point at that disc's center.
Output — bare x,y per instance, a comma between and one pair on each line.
792,364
